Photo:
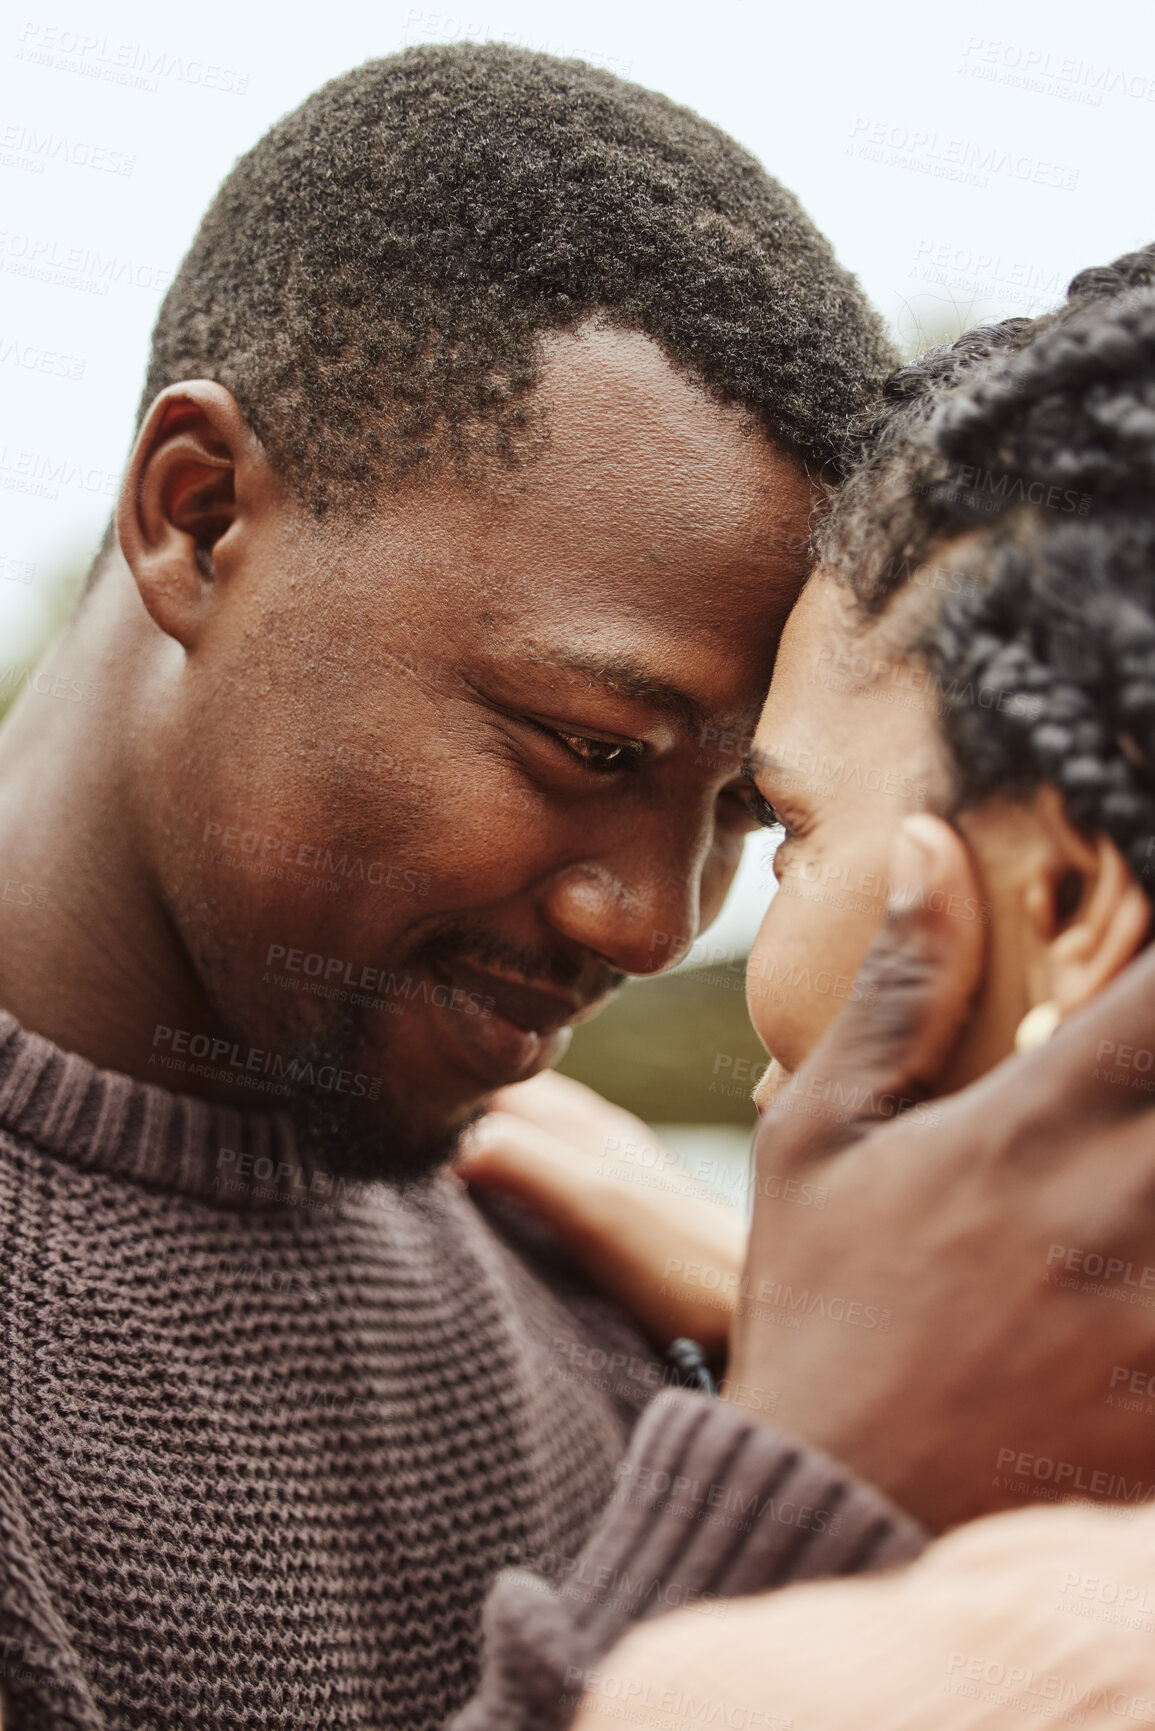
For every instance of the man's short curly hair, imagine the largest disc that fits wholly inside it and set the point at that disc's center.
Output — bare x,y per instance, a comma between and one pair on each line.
372,278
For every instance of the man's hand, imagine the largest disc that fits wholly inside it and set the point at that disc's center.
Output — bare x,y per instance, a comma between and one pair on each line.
968,1318
623,1204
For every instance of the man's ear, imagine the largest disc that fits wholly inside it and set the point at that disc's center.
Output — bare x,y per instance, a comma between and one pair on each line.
196,475
1089,911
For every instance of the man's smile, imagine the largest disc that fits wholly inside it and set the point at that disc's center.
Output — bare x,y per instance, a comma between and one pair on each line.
501,1027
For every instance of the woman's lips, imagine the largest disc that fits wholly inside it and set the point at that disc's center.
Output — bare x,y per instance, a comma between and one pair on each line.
499,1030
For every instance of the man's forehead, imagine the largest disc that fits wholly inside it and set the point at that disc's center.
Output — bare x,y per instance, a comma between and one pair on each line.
628,431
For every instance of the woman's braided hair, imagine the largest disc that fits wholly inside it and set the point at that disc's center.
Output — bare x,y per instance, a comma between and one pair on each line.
1036,439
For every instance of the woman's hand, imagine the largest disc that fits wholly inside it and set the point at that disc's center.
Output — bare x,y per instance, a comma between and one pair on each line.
623,1204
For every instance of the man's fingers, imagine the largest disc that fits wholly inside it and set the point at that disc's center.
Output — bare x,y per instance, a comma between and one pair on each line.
911,1001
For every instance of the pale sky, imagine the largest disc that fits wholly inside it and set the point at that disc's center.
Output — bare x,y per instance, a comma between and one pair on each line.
965,162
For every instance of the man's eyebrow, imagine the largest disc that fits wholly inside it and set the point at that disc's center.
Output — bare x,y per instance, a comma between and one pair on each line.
619,676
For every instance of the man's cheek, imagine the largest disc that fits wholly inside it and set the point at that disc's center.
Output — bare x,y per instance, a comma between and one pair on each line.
478,852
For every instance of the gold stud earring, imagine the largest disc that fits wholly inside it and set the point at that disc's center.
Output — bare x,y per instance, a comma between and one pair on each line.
1037,1026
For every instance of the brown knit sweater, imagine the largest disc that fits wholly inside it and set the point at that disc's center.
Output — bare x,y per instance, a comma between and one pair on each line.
266,1440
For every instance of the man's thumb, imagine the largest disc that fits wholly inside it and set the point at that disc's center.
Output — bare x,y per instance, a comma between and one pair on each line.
910,1002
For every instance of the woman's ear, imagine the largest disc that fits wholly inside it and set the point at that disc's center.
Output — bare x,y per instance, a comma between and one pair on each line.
1089,911
197,469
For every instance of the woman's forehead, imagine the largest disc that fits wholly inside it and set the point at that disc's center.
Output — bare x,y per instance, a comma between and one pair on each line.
843,682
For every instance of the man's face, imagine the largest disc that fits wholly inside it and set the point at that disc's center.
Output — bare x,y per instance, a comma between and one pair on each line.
435,783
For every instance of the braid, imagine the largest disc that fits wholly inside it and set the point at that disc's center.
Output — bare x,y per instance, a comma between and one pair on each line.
1037,440
1040,683
1075,408
884,510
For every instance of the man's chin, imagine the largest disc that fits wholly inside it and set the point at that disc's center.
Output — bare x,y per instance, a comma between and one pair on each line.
374,1140
389,1138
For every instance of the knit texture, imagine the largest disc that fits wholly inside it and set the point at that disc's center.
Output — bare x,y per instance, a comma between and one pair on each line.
709,1504
268,1439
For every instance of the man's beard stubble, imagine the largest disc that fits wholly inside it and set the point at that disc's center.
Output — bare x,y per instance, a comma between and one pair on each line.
377,1139
351,1136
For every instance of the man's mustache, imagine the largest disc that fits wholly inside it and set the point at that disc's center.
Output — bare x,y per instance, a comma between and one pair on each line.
584,979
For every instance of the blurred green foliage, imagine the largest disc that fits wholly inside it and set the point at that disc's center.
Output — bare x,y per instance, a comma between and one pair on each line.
676,1049
56,596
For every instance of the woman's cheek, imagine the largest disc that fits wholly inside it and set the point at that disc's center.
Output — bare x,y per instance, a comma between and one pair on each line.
802,967
793,944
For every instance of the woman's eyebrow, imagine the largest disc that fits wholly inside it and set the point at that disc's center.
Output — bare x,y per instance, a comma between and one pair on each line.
787,790
755,763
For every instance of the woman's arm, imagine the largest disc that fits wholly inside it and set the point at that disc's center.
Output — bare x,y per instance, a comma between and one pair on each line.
1046,1613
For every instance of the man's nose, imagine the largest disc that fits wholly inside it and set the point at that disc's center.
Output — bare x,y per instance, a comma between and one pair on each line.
639,922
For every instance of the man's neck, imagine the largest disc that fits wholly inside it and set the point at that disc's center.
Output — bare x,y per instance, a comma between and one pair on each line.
88,957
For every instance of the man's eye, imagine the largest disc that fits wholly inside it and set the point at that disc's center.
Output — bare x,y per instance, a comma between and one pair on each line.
760,807
601,756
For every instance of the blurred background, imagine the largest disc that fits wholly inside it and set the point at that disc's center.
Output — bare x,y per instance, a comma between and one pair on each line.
964,163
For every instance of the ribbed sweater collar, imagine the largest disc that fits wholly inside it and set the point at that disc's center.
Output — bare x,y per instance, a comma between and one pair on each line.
100,1121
